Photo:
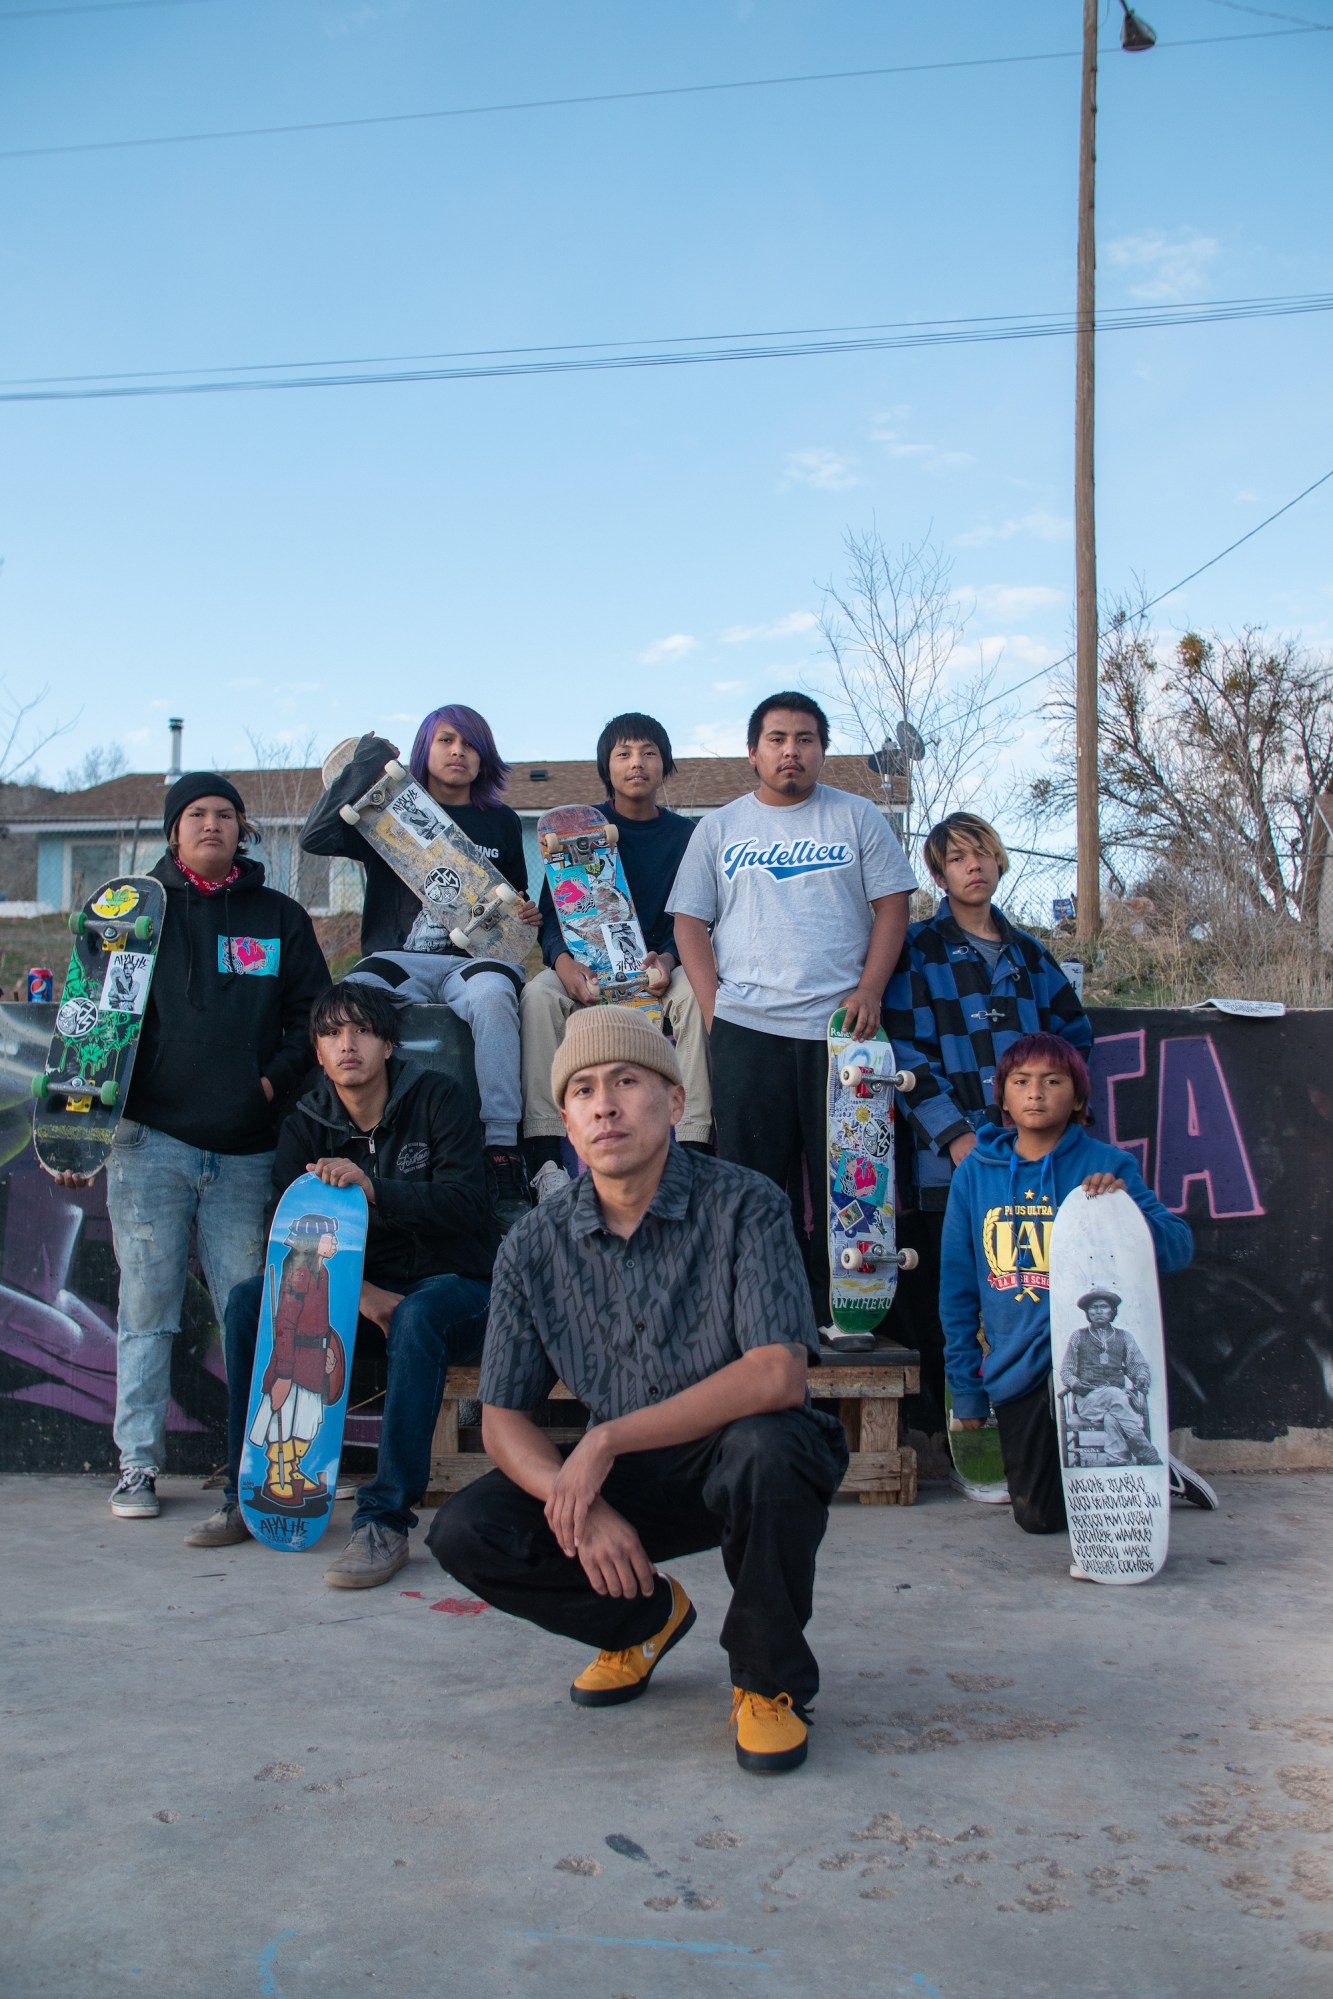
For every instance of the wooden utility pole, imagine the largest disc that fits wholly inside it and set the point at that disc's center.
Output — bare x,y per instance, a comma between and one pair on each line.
1089,921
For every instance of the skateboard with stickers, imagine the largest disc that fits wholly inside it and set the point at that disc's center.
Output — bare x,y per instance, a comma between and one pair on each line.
81,1092
864,1259
303,1363
462,893
593,904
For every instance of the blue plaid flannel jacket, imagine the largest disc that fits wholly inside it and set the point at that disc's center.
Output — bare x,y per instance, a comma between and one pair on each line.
950,1020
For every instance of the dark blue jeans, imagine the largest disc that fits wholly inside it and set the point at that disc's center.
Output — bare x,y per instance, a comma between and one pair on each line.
440,1320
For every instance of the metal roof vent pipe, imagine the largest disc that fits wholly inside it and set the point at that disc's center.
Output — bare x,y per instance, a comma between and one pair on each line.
176,726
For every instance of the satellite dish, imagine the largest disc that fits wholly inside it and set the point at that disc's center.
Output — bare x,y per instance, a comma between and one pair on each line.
911,742
888,761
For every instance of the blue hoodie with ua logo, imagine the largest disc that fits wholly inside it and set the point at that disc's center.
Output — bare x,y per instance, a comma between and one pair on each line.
995,1258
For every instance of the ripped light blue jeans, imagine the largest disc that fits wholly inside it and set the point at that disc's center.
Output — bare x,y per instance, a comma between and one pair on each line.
157,1189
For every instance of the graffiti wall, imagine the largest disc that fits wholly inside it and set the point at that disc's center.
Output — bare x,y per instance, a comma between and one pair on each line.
1231,1120
58,1286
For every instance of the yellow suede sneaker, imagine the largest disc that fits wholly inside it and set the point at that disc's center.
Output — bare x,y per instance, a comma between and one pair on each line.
770,1735
614,1677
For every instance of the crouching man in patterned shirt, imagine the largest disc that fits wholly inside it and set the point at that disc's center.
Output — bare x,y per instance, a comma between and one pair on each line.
665,1289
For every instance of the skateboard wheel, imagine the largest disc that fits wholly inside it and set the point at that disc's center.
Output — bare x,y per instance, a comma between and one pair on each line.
904,1081
108,1093
78,921
852,1259
461,939
850,1074
143,928
394,769
612,836
506,893
907,1259
349,815
552,846
37,1087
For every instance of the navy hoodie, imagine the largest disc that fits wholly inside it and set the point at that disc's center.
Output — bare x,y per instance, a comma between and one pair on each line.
995,1258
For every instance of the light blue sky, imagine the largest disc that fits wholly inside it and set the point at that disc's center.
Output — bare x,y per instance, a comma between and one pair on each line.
554,548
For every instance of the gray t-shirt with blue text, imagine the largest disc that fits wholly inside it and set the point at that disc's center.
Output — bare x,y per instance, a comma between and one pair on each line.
788,890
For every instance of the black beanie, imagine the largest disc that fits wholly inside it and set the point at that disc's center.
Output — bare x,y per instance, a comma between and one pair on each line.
197,784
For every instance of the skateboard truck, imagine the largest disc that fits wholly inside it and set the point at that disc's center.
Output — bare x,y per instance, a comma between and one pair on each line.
482,913
113,930
57,1089
859,1077
866,1259
576,849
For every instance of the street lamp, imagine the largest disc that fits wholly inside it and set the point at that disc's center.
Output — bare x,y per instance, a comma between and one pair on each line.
1135,36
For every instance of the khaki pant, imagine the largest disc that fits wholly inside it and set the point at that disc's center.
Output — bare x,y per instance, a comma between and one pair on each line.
543,1011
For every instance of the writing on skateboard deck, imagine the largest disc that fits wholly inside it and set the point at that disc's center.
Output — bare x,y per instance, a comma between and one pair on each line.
1109,1368
593,904
461,891
81,1092
303,1363
864,1259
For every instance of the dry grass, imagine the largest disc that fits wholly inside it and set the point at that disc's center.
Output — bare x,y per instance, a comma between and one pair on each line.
1151,957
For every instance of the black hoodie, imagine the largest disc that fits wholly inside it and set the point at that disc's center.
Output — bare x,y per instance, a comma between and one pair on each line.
236,975
430,1216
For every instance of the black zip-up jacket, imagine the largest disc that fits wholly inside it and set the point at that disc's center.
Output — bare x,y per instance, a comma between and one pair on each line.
430,1216
390,907
236,975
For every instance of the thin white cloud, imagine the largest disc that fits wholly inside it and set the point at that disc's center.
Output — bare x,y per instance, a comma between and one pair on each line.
782,628
1172,267
1244,498
1038,525
730,686
827,471
1018,600
673,647
932,457
717,739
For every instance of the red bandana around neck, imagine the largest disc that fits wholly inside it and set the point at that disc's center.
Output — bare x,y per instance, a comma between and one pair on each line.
207,887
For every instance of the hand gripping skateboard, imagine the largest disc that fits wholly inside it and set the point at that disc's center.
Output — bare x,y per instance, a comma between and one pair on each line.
1109,1368
81,1092
864,1260
593,904
303,1363
461,890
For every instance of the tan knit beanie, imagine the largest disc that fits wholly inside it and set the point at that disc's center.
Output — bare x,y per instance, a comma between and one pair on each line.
611,1034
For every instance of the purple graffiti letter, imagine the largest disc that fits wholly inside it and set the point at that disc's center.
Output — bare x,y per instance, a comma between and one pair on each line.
1198,1133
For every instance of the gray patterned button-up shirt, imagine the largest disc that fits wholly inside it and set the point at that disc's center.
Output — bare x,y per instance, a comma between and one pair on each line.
711,1272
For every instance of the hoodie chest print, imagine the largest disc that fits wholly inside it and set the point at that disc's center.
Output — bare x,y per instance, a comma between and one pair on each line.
256,955
1016,1239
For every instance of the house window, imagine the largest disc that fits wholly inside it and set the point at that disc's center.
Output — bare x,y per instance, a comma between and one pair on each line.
91,862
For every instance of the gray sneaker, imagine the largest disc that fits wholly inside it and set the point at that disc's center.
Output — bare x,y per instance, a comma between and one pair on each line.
135,1497
549,1180
221,1529
373,1556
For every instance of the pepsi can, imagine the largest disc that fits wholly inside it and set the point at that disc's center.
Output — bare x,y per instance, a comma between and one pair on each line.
41,983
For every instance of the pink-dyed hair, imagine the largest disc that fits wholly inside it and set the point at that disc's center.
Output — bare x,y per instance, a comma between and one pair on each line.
1053,1052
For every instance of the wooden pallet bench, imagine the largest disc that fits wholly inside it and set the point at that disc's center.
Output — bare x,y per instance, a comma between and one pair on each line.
865,1391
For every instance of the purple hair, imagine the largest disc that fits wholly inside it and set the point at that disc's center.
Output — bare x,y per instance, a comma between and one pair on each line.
476,733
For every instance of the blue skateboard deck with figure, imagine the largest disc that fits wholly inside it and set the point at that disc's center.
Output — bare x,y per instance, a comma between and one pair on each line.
303,1363
593,904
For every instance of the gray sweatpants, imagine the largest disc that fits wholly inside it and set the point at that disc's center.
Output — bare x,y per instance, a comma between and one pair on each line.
483,992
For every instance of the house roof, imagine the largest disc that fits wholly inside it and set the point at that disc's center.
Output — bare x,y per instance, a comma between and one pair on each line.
287,795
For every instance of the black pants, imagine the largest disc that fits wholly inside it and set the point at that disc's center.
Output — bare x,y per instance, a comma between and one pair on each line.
770,1111
914,1319
1030,1446
759,1489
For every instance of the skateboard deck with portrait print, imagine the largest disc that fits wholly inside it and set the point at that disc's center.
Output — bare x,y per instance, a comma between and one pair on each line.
864,1259
461,890
593,904
303,1363
1114,1466
81,1093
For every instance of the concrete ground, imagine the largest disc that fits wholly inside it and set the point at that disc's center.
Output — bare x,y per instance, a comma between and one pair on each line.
224,1779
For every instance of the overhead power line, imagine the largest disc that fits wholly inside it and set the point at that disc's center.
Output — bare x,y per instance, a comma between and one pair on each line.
605,97
1043,672
690,352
